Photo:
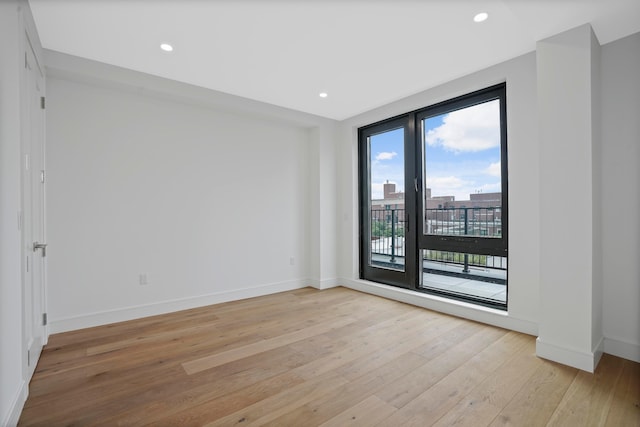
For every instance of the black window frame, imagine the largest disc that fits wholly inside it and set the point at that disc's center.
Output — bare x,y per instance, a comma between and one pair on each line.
416,239
496,246
399,278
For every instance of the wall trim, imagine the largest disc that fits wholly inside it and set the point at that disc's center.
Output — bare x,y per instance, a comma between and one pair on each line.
468,311
324,284
145,310
621,348
17,404
570,356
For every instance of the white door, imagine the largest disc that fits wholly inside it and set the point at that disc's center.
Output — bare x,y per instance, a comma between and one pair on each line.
33,208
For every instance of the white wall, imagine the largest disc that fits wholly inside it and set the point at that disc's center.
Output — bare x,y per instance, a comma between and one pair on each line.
10,276
524,171
211,204
621,196
16,22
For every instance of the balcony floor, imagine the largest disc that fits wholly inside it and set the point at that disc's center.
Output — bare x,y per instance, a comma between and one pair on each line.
464,286
459,285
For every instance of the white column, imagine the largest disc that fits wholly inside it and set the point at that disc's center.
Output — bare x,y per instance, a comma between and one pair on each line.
570,327
322,208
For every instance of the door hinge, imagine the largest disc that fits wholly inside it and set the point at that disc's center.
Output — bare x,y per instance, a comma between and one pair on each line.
42,176
42,102
44,319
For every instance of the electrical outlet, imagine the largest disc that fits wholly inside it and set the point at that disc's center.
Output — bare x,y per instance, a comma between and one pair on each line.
143,279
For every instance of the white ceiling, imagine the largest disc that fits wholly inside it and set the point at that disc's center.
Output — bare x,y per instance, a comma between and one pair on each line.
364,54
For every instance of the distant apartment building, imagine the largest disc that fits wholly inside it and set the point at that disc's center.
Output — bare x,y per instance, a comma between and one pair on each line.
391,207
391,198
480,215
395,200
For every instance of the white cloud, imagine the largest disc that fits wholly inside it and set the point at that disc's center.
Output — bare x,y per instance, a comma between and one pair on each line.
450,182
495,187
449,186
472,129
386,155
493,169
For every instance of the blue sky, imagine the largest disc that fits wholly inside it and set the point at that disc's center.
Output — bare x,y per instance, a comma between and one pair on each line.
462,153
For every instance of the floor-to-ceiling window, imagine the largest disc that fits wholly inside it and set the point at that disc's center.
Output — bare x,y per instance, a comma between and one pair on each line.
433,199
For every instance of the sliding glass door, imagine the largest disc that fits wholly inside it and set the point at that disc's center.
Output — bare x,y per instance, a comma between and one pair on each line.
387,246
463,204
433,199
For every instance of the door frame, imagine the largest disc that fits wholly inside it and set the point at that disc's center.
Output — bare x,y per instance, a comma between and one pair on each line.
416,240
33,264
406,278
477,244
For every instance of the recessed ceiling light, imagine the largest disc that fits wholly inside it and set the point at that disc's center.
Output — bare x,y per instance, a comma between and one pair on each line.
323,94
166,47
481,17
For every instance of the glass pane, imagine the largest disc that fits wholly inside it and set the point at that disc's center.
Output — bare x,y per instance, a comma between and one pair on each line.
463,181
386,200
466,275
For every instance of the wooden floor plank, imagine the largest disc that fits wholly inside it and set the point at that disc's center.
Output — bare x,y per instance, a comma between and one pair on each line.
282,403
405,389
588,399
365,413
202,410
625,407
436,401
330,405
346,316
430,330
486,400
374,339
538,398
208,362
310,357
134,400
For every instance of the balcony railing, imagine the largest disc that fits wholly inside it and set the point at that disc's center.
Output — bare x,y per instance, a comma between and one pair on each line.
464,221
388,231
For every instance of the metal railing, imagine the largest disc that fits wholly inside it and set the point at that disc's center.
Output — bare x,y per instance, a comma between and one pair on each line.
463,221
388,231
486,222
466,260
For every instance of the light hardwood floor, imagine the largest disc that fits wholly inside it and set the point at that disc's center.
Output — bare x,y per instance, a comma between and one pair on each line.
306,358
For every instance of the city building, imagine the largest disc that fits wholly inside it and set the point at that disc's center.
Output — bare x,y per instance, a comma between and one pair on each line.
444,212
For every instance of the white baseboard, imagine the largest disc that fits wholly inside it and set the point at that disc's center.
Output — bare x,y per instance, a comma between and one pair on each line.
443,305
586,361
15,410
135,312
324,284
621,348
